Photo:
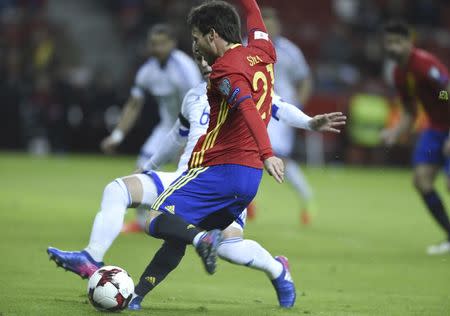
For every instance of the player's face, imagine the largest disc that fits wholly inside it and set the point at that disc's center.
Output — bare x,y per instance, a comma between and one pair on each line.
205,68
160,46
204,45
397,47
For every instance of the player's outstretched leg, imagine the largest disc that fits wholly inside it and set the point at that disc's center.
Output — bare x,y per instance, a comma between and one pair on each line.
173,228
251,254
118,195
106,227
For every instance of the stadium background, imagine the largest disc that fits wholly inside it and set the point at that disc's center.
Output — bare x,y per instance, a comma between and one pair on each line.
67,66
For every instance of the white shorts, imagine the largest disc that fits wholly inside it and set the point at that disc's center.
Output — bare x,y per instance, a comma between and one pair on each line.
240,221
282,138
162,179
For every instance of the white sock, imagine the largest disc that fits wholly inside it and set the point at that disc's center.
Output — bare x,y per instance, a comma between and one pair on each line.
197,238
109,219
249,253
295,176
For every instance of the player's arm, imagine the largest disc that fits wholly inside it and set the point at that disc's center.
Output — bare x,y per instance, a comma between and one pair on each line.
173,143
243,102
391,135
254,17
128,118
293,116
130,112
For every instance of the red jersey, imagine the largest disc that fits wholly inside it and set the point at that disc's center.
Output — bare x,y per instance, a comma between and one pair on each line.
425,79
240,96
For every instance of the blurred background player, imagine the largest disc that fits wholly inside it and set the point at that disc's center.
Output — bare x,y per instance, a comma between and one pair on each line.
167,76
293,84
420,78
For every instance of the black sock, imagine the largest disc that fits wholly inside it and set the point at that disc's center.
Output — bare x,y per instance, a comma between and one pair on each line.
165,260
437,209
173,228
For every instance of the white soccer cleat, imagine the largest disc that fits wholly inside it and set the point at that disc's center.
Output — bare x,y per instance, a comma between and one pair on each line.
439,249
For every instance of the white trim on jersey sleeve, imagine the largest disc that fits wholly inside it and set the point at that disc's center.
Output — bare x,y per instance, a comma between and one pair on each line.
261,35
289,114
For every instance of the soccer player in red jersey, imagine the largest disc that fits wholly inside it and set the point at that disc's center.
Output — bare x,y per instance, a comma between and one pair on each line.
226,165
420,78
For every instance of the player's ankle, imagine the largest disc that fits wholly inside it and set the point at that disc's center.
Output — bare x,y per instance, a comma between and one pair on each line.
275,271
94,254
197,238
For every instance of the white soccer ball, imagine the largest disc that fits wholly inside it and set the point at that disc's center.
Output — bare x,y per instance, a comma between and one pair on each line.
110,288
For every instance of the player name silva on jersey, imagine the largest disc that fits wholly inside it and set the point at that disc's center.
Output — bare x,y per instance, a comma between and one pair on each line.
241,75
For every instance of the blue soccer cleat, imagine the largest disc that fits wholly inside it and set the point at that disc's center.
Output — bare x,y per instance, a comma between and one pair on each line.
135,304
207,249
284,285
78,262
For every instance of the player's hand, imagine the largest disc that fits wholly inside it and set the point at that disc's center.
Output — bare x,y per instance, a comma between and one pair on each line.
389,136
275,167
447,148
328,122
109,145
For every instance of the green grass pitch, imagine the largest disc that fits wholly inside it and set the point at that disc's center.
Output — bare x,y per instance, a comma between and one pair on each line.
363,254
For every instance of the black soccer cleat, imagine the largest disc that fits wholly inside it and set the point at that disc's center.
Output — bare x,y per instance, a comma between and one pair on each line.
207,249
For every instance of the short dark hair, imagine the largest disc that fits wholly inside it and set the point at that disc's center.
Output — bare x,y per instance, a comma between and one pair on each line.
218,15
162,28
397,27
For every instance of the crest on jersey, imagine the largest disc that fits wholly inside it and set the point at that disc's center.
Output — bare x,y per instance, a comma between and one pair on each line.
225,87
261,35
233,96
443,95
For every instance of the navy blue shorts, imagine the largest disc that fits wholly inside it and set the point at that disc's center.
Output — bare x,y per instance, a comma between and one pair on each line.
210,197
429,149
